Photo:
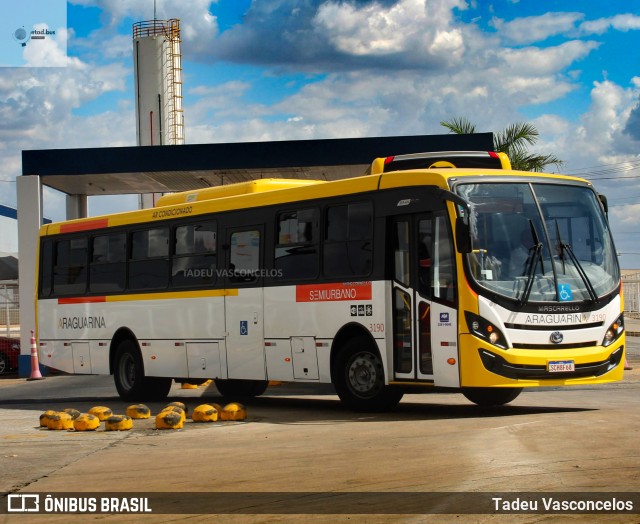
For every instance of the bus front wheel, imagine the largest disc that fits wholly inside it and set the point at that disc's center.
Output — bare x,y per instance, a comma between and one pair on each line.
488,397
359,379
128,374
241,388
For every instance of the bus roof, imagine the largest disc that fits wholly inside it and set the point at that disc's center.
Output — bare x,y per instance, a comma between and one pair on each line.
241,188
282,191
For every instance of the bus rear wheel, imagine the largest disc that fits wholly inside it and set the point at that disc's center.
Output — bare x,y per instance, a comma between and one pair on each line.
128,374
488,397
358,377
241,388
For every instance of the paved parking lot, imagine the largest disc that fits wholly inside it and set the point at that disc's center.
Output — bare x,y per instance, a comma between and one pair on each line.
553,440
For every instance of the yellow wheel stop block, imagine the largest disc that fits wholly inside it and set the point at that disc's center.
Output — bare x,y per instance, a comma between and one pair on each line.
60,421
138,411
175,409
86,422
205,413
44,418
168,419
102,412
233,411
118,423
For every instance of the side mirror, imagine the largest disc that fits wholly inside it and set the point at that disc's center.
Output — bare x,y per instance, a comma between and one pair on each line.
605,203
463,235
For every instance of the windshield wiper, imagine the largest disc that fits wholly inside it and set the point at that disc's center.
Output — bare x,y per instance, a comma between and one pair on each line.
562,247
535,254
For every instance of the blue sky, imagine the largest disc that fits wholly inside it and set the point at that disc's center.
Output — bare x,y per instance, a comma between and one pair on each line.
303,69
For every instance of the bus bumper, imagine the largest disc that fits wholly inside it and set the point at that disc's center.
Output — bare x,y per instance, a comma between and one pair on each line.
484,365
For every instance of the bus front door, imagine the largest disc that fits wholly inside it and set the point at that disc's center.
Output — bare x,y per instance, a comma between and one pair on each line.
244,304
424,287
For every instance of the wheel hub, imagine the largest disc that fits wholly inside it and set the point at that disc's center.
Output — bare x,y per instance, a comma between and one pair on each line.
362,374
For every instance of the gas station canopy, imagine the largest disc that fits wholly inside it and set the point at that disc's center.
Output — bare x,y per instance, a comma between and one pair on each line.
162,169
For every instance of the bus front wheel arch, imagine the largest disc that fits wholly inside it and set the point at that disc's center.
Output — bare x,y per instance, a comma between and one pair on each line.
488,397
358,376
129,377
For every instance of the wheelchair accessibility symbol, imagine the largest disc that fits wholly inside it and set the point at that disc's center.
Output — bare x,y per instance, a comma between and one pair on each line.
244,327
564,293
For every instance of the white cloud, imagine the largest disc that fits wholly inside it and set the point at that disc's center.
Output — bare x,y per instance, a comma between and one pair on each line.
415,26
530,29
622,22
533,90
548,60
604,121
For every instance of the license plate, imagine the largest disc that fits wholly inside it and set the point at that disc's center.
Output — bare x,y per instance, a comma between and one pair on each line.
561,366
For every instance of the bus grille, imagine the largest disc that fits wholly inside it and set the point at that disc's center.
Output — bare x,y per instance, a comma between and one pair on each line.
577,345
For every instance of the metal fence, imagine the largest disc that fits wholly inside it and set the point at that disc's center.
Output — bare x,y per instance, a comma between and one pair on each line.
9,310
631,286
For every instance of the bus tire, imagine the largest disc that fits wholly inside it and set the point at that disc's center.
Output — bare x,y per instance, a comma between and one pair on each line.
488,397
358,377
128,374
241,388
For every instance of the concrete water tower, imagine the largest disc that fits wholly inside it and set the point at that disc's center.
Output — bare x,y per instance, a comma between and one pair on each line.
157,64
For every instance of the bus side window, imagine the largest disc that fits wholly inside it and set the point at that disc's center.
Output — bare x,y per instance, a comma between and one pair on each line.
296,251
194,256
149,262
46,268
244,256
107,271
348,240
425,262
70,269
444,273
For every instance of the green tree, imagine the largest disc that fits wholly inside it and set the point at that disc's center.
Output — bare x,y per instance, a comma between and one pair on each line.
514,141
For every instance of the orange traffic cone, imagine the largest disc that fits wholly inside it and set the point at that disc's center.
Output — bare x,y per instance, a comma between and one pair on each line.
627,366
35,366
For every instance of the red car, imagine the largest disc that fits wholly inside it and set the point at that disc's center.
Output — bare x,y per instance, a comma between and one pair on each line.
9,353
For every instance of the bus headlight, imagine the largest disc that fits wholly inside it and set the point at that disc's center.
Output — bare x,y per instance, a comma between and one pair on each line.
613,333
485,330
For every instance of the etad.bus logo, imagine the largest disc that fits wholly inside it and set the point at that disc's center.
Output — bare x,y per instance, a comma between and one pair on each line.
444,318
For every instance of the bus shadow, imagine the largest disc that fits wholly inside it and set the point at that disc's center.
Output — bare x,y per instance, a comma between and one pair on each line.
312,410
321,404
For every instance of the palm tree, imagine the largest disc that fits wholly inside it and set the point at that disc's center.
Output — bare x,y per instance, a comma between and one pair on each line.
514,141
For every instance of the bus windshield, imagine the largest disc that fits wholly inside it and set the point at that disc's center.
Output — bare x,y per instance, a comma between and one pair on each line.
540,242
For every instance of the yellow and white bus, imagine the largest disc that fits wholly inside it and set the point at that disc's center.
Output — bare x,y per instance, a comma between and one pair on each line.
420,275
